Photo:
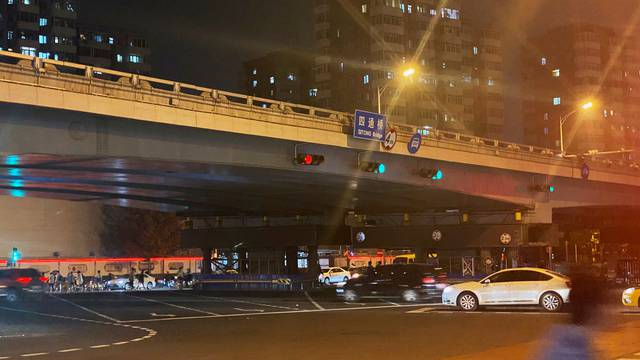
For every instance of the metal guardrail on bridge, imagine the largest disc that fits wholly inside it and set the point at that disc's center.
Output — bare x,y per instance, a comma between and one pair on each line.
67,76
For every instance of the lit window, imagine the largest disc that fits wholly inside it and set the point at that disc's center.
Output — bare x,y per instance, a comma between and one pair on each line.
56,39
254,83
389,75
475,50
98,38
43,21
26,50
119,58
136,59
364,8
605,113
254,71
444,65
556,73
409,8
56,57
272,79
341,66
491,82
10,2
291,76
111,40
42,39
433,12
338,33
546,116
26,2
44,55
313,92
452,83
402,6
365,79
546,131
543,61
450,13
10,35
556,101
466,78
423,62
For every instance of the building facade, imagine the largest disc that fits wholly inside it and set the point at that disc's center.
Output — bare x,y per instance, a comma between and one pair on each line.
282,75
583,63
363,45
49,29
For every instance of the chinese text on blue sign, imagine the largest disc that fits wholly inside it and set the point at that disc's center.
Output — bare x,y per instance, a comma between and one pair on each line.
369,126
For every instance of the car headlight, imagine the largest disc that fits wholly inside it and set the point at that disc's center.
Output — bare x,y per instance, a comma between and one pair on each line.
629,291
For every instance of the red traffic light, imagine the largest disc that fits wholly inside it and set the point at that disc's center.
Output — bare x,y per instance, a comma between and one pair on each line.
309,159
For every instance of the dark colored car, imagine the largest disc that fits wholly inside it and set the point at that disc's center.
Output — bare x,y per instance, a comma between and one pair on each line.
408,282
16,283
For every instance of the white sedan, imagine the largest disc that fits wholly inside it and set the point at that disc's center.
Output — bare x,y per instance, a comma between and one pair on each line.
518,286
123,283
334,275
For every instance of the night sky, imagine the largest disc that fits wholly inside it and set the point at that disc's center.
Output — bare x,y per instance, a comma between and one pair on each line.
205,41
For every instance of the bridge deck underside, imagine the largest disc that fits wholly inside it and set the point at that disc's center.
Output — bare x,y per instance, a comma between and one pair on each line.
218,189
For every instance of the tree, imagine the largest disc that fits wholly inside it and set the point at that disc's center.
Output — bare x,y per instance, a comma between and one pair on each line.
138,232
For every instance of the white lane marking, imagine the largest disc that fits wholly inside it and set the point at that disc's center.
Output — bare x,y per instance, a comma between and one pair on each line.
354,303
120,343
161,315
249,310
276,313
150,332
136,339
313,301
173,305
420,311
86,309
389,302
222,299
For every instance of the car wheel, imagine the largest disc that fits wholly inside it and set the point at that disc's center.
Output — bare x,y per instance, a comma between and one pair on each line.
410,296
551,302
350,295
467,301
12,295
346,278
149,285
327,281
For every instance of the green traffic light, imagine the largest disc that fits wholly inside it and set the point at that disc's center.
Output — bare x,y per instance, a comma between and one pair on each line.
552,188
381,168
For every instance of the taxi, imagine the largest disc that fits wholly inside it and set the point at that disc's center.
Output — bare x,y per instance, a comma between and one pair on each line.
630,296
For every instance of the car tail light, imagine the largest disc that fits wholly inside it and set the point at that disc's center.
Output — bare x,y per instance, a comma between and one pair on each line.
44,279
24,280
428,280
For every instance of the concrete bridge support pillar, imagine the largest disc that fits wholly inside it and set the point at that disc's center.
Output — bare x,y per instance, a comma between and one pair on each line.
206,260
313,261
291,254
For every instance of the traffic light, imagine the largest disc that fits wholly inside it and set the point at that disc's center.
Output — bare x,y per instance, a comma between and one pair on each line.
374,167
433,174
15,255
544,188
308,159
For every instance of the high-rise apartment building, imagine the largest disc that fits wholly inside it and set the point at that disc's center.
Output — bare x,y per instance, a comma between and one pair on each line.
282,75
363,45
574,64
49,29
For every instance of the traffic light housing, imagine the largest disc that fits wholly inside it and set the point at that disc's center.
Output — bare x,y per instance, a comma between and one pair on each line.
308,159
548,188
433,174
373,167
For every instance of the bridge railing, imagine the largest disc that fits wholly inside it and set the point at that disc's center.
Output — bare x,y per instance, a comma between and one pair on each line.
107,82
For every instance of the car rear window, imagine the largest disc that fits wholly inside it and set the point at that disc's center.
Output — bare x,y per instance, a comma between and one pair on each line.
14,273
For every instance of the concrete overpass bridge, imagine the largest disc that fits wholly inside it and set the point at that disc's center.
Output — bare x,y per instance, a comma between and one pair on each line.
86,134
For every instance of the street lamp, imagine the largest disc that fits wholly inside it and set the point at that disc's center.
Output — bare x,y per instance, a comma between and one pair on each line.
406,73
584,106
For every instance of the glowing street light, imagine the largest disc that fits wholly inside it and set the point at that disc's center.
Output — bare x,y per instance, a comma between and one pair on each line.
584,106
406,73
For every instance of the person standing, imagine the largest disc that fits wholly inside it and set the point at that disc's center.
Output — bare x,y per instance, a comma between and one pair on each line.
79,281
132,273
52,281
98,280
